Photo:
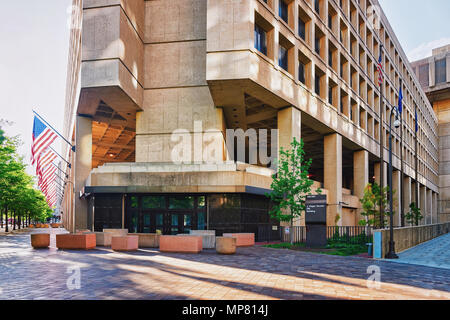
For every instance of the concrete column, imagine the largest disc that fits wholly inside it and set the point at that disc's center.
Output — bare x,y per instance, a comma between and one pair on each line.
333,177
423,203
429,219
360,176
377,173
289,127
407,194
83,166
435,208
397,196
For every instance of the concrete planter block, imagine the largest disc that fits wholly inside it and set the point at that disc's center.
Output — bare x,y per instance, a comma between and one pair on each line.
181,243
76,241
103,238
225,245
148,240
40,240
242,239
125,243
117,232
208,236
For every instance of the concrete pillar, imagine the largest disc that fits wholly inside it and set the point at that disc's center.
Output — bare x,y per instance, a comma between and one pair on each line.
83,166
435,208
423,203
333,177
397,196
407,194
429,219
360,176
290,127
377,173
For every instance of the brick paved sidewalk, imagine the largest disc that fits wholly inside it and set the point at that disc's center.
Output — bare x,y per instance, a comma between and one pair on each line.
253,273
433,253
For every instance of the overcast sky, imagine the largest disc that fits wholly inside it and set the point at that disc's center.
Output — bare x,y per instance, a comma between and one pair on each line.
35,37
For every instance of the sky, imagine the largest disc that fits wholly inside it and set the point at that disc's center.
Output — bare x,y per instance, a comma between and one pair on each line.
35,41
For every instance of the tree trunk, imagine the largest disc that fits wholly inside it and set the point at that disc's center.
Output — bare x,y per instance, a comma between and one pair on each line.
14,219
6,217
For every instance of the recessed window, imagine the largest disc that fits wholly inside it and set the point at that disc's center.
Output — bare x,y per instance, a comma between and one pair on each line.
302,28
283,58
283,10
301,72
317,45
260,39
317,6
440,71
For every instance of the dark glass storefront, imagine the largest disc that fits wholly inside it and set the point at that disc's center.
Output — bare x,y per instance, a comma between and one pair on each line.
174,214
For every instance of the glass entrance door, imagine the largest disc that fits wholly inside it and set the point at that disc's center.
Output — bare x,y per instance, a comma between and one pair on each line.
180,222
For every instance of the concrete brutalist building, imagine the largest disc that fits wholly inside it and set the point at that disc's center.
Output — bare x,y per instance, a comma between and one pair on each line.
434,77
150,79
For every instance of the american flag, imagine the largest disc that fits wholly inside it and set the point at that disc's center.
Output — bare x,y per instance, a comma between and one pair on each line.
45,159
43,137
380,71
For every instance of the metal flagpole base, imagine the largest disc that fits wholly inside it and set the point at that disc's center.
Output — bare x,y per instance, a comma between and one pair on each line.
391,254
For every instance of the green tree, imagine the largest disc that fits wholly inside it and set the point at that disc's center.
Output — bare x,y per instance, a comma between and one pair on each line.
291,184
414,216
18,198
373,195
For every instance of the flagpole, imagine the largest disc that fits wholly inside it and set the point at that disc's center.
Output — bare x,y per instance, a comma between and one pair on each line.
416,128
381,144
73,147
70,165
402,196
67,176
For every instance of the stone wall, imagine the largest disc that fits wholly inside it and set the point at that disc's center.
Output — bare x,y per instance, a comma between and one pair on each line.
407,237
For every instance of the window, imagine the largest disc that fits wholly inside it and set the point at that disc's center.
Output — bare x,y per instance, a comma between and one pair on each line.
317,45
330,22
317,6
283,58
302,28
283,10
301,72
317,84
440,71
330,95
330,58
260,39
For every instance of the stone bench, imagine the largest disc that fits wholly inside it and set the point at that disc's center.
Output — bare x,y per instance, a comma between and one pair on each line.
40,240
125,243
148,240
208,236
225,245
242,239
84,241
104,238
181,243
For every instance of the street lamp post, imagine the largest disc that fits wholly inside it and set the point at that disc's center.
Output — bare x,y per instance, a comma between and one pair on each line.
391,254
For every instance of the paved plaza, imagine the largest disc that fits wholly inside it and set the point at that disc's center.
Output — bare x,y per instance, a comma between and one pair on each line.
433,253
253,273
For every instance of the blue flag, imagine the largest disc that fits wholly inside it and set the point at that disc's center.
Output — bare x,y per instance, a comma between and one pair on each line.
417,125
400,100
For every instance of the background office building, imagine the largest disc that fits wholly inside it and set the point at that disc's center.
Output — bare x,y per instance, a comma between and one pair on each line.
139,70
434,76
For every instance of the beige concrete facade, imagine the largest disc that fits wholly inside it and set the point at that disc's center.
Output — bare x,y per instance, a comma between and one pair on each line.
434,75
160,80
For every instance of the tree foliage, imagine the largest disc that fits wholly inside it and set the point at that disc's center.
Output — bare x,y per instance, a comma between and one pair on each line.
414,216
373,195
18,198
291,184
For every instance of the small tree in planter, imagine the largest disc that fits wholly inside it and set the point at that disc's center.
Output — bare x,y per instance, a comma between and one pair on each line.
291,184
370,201
414,215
